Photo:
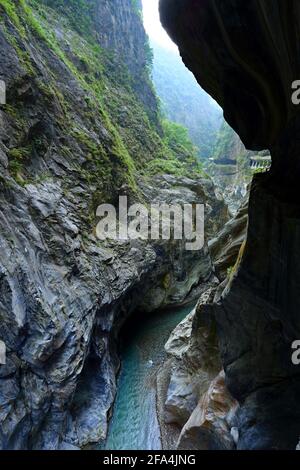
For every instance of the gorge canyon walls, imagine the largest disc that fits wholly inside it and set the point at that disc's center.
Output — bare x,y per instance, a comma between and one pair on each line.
246,55
81,127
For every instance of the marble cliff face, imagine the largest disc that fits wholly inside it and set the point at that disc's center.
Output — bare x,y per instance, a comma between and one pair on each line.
246,55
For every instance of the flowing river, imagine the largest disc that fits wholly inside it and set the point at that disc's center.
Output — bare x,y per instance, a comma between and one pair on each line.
134,423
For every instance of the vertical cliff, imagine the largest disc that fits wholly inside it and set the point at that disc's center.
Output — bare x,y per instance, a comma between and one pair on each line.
246,55
230,167
78,130
113,21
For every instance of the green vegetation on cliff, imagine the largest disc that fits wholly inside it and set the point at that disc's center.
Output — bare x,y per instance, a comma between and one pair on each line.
183,101
111,127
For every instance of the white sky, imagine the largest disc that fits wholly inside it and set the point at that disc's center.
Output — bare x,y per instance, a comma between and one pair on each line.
153,26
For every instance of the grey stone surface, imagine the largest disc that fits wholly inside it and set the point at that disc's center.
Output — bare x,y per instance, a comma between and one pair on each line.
237,52
64,295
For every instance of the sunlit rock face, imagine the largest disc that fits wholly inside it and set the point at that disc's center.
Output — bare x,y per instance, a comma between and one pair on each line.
246,55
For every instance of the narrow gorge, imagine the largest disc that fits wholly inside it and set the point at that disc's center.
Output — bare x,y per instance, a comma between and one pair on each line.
138,343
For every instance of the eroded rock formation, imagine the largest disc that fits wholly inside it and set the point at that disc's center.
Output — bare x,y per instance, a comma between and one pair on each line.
246,55
75,134
210,425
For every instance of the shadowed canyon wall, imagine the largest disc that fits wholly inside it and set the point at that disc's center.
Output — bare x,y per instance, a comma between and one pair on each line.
80,127
246,55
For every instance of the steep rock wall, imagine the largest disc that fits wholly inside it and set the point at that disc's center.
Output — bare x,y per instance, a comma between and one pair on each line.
73,135
118,28
246,55
113,20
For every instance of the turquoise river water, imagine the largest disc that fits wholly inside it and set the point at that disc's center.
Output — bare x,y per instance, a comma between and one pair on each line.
134,424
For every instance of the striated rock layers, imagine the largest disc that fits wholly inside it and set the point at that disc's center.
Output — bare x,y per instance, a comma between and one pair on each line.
246,55
225,247
73,135
195,407
113,21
